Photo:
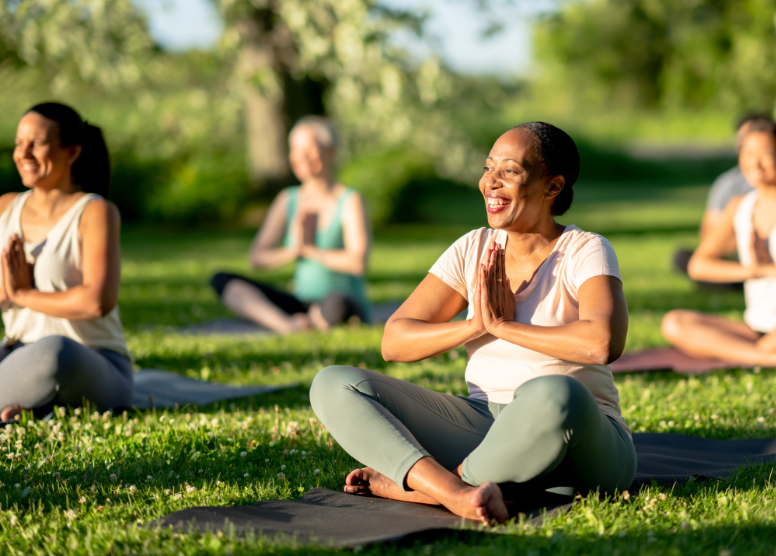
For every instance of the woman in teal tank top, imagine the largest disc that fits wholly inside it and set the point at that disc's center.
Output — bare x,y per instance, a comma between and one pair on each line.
320,224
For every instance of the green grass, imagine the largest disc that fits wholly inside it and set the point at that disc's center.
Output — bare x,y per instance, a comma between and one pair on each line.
85,483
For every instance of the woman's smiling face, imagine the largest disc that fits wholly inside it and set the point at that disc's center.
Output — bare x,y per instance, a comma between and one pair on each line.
516,188
38,154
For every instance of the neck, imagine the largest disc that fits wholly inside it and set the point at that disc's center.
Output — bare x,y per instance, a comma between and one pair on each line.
323,184
767,194
48,200
534,239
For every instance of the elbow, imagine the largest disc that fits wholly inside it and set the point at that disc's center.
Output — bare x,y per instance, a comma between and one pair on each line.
387,351
601,353
98,309
695,268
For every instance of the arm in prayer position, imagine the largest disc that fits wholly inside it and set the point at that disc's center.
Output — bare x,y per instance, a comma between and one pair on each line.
97,295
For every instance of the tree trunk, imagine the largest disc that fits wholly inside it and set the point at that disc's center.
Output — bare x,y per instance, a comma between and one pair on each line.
262,93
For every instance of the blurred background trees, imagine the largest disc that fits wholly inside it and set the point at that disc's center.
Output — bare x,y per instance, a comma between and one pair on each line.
199,137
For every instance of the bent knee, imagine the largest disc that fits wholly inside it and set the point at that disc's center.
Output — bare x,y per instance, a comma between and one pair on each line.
331,381
557,399
675,323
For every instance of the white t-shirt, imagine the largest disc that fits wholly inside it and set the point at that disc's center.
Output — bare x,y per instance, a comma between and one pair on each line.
496,367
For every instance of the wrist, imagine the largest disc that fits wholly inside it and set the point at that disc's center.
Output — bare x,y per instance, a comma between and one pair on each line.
20,296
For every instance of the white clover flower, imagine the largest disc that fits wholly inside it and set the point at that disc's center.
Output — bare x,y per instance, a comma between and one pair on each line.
149,478
113,477
55,474
13,520
77,411
176,497
282,467
190,489
247,475
167,492
17,485
266,460
214,422
82,500
132,489
70,515
281,477
243,454
316,471
90,449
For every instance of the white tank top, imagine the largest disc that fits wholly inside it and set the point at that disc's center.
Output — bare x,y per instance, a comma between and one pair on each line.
760,293
58,267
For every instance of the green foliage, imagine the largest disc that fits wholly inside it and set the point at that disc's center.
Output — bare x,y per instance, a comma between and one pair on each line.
661,53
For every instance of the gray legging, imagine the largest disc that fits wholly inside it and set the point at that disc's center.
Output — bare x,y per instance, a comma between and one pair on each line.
552,436
59,370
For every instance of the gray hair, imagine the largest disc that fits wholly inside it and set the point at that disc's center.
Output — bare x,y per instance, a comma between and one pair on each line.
323,130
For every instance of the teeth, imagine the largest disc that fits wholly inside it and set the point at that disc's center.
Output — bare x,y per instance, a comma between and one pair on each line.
496,202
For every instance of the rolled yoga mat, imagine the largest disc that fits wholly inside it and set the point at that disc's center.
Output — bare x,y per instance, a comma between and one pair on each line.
155,388
671,359
330,518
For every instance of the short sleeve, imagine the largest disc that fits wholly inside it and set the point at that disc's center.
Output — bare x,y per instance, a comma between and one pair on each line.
595,258
451,266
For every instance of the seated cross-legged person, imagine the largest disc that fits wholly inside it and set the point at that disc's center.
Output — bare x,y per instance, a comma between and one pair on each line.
750,222
546,316
60,271
322,226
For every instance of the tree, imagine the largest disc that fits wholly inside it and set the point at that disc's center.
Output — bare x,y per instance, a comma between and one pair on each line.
302,56
662,53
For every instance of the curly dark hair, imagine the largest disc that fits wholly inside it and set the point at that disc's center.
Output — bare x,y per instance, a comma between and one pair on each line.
560,157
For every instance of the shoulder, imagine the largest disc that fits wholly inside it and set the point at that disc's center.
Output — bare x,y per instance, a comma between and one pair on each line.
470,246
99,211
579,240
6,200
729,178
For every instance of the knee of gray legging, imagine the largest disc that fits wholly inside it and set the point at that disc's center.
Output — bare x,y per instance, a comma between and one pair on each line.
55,356
557,401
329,384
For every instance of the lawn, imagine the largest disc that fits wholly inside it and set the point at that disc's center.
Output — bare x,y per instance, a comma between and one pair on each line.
85,482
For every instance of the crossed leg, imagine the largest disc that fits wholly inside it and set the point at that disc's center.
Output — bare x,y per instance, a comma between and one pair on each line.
426,447
704,335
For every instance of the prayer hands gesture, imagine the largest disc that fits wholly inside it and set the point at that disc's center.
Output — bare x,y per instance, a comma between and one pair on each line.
494,302
17,273
761,262
303,238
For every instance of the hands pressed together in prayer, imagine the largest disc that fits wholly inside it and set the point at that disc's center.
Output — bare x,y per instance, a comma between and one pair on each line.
494,302
761,262
17,273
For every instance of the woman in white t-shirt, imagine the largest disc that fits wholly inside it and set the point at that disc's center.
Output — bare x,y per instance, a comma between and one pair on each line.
542,412
750,221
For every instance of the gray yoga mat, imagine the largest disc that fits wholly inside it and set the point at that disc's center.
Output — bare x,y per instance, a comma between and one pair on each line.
155,388
334,518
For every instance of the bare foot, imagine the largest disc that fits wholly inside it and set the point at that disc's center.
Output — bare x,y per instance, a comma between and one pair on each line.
369,481
316,317
300,321
488,503
11,412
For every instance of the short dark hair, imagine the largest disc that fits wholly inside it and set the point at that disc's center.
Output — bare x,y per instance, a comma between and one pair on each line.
750,117
557,151
92,169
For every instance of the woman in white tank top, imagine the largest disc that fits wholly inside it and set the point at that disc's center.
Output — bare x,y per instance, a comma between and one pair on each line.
60,271
751,220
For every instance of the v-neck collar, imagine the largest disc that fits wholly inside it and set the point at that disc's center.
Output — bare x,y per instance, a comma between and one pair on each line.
501,239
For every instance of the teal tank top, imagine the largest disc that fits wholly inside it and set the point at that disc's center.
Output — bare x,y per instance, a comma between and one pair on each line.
312,280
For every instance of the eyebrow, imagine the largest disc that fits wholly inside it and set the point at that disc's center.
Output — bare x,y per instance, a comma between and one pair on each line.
509,159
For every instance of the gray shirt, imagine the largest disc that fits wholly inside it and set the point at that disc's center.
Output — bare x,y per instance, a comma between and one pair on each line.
728,185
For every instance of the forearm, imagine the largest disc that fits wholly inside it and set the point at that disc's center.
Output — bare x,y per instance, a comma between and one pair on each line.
78,303
582,341
408,340
338,260
271,258
717,270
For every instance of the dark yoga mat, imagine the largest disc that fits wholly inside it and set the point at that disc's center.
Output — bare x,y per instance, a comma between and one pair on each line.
330,518
671,359
335,518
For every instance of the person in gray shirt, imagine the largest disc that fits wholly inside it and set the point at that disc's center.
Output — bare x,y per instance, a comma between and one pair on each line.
728,185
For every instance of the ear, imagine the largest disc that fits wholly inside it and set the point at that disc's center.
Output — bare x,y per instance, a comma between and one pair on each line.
554,186
74,151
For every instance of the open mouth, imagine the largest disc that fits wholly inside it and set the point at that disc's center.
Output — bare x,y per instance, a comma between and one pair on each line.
495,205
